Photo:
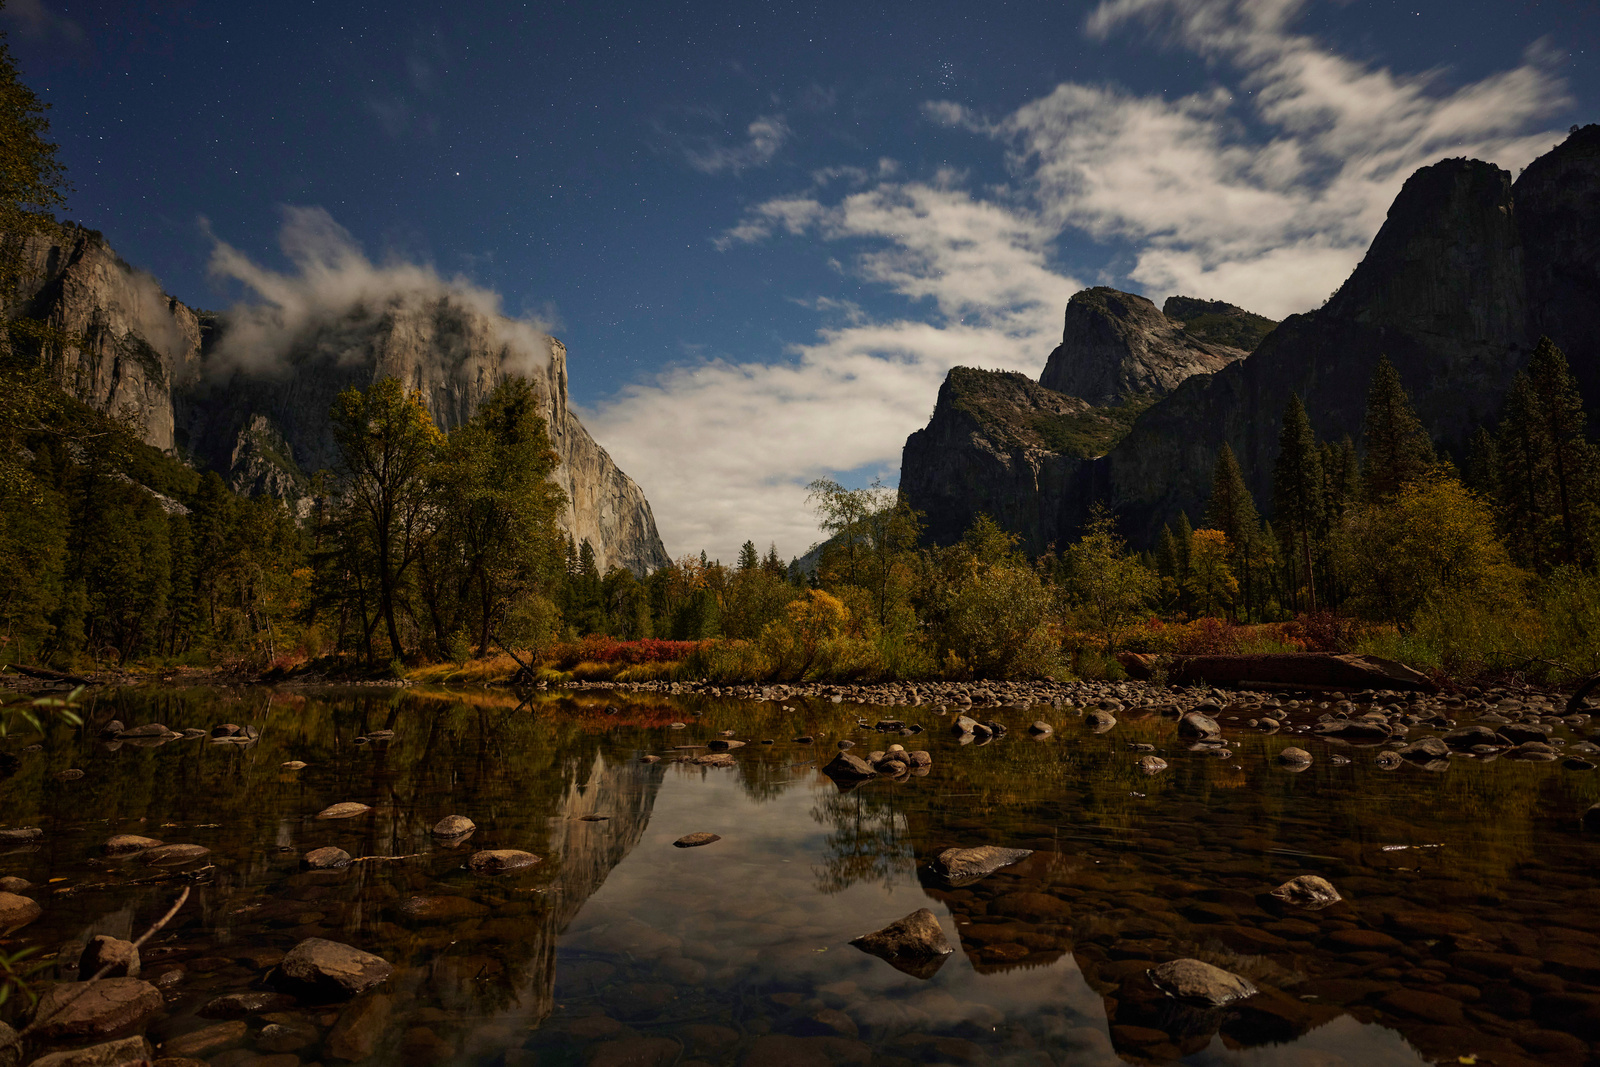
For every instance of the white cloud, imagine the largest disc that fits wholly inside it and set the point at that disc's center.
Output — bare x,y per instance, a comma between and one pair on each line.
763,138
1263,189
335,291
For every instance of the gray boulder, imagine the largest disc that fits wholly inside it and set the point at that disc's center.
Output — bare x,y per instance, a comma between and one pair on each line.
914,944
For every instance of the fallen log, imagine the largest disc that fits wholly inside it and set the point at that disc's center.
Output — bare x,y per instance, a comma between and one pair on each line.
1285,670
48,675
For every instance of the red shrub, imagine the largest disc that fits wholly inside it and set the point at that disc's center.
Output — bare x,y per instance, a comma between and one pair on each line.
597,648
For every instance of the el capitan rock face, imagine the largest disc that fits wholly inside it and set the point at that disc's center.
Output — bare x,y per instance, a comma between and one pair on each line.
148,357
1467,272
1117,346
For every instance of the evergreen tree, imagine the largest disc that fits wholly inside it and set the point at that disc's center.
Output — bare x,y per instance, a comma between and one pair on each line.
1483,464
772,565
748,560
1399,450
1547,468
1298,493
1233,511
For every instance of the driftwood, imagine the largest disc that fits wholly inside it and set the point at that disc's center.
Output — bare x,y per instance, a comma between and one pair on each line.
48,675
1288,670
1575,704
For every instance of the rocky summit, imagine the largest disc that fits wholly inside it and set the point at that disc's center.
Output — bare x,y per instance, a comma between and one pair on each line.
1119,346
177,376
1469,269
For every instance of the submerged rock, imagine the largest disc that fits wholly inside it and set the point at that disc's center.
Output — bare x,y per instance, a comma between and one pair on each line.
915,944
331,970
1297,758
1199,982
1041,729
696,840
239,1005
1309,891
1151,764
78,1010
963,866
175,855
20,835
294,765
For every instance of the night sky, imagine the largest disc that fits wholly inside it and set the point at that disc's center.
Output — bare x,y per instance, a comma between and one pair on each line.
765,231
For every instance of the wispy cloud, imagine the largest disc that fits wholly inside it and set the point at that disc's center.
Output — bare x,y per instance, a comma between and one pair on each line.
1263,189
763,138
33,20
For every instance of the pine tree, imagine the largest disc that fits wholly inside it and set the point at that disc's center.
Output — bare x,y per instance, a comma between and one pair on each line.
1572,461
748,559
1183,534
1483,464
1399,450
1297,491
1233,511
1546,469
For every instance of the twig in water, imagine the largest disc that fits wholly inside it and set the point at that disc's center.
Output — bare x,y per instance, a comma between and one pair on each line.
107,968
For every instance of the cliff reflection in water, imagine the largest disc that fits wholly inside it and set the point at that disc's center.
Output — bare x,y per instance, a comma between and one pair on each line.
1469,925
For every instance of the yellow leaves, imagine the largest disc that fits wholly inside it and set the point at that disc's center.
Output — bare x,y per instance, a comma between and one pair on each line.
1210,580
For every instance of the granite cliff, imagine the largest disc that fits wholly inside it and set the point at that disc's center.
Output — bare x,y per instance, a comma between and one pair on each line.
151,360
1468,270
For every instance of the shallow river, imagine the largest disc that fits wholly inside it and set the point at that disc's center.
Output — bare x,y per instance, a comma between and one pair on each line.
1470,929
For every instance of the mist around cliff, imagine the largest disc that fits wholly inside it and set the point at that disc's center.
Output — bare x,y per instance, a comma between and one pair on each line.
332,296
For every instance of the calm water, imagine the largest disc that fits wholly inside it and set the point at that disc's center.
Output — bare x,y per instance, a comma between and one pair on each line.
1471,926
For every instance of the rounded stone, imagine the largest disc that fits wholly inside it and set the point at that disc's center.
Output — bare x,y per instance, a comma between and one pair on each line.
17,911
327,858
173,855
453,826
78,1010
1152,765
1294,757
294,765
1197,981
347,810
695,840
123,844
1309,891
331,969
502,861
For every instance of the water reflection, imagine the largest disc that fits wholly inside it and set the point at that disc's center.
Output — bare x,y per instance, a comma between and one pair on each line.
1470,926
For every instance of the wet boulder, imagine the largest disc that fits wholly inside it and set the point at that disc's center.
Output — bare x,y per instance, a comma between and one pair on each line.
1041,729
1353,730
330,970
454,826
845,768
1533,751
1100,721
1309,892
963,866
89,1010
1197,727
915,944
1151,765
124,1051
1424,750
126,844
1199,983
347,810
327,858
695,840
502,861
1297,758
1521,732
17,911
121,958
1469,737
